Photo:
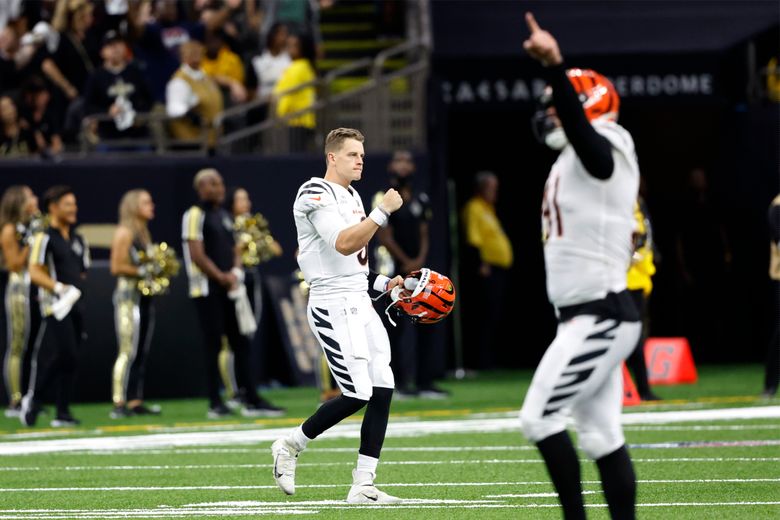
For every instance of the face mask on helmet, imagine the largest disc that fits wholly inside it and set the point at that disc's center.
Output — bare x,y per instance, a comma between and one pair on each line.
426,296
598,97
544,125
556,139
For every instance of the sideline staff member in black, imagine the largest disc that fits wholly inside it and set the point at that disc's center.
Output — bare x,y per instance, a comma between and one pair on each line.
213,268
59,259
406,239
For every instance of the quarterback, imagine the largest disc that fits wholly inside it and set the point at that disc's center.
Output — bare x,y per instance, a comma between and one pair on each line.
587,216
333,234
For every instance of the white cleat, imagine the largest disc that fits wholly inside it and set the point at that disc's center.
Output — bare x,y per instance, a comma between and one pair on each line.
363,491
285,458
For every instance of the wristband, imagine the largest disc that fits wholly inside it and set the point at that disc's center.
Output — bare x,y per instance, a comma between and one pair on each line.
379,216
380,283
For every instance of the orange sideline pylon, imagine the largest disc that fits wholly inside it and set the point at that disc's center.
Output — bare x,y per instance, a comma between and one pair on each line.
630,395
669,361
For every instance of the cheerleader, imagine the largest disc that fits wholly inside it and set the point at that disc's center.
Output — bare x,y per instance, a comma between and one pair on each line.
133,312
238,204
18,207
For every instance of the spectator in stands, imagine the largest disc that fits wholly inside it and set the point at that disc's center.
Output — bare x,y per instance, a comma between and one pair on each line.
243,26
224,66
301,16
117,89
38,116
10,10
274,60
9,70
193,98
15,140
406,238
161,31
35,47
38,11
486,236
73,61
300,72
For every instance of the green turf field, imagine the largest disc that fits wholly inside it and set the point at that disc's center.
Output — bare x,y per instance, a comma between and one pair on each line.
457,458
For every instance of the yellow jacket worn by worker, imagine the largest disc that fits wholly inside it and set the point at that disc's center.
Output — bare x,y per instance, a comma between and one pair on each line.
640,274
299,72
484,231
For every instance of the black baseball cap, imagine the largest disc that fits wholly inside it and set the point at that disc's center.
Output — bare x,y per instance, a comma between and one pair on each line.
111,37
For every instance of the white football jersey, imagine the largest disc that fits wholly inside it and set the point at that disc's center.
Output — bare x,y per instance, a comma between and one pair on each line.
588,222
321,210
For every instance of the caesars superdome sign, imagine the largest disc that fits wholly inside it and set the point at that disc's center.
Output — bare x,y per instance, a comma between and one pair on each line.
519,90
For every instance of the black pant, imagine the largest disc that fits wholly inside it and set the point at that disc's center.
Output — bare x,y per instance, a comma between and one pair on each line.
217,316
54,358
135,384
491,290
636,361
411,354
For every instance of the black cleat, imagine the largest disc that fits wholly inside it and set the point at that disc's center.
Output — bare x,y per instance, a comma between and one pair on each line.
120,412
142,409
28,415
219,411
259,407
64,420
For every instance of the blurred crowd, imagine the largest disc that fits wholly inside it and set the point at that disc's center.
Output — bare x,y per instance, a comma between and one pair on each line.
184,61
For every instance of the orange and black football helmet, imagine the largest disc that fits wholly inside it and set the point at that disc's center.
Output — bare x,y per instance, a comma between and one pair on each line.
426,296
596,93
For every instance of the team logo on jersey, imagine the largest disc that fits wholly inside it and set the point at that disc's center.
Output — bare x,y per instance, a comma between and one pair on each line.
77,248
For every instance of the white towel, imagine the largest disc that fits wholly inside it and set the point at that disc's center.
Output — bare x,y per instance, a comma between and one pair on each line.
65,303
244,315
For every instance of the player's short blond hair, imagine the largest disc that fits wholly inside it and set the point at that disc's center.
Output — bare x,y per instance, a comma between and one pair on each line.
336,139
202,175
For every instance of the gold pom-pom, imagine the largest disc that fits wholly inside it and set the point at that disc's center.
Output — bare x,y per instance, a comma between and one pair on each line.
160,263
254,239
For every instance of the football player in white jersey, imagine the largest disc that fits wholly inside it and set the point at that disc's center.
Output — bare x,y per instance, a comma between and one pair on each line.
333,235
588,224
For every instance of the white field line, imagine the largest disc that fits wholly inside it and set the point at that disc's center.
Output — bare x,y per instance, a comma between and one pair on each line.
264,448
294,508
176,467
382,484
352,430
700,427
536,495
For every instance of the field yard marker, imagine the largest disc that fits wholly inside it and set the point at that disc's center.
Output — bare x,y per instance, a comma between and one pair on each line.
383,484
397,429
350,463
302,508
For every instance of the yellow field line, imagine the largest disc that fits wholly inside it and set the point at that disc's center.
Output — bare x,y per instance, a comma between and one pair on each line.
413,413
